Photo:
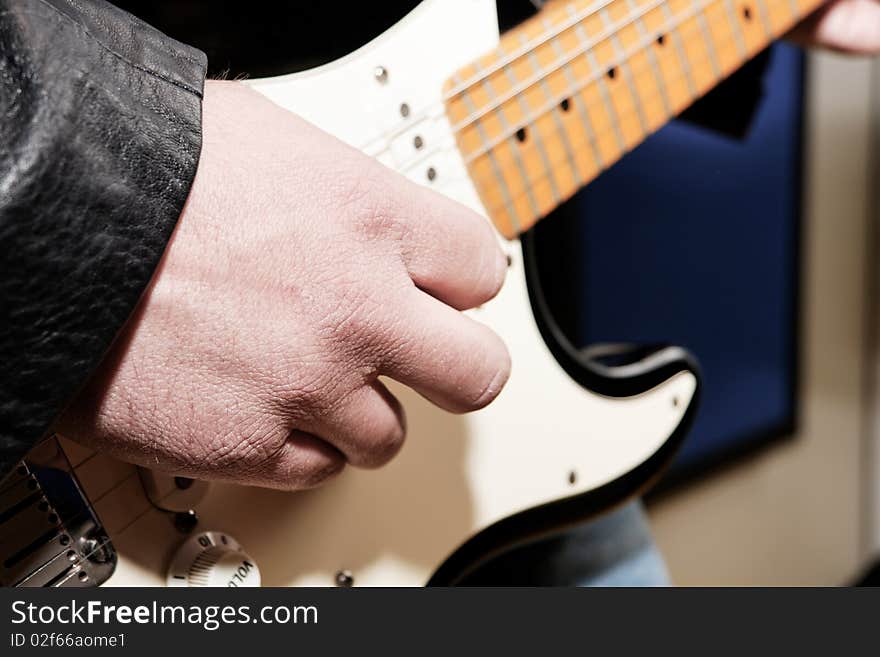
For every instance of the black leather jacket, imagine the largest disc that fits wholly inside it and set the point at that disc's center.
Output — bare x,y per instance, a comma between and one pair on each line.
100,134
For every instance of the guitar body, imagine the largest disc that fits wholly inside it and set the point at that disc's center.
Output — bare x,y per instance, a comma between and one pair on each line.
569,437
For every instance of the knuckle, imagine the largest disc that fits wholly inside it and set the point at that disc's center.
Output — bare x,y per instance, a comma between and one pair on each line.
371,205
318,472
384,447
295,467
304,387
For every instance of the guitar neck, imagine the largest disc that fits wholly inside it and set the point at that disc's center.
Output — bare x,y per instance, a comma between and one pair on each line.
568,92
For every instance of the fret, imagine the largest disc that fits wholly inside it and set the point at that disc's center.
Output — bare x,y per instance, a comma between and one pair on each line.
679,47
670,70
590,57
764,18
532,135
516,223
724,36
736,28
783,14
620,62
561,132
707,37
660,83
570,91
513,146
753,32
578,99
779,14
687,16
519,90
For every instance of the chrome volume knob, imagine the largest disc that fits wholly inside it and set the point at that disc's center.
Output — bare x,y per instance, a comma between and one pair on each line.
212,559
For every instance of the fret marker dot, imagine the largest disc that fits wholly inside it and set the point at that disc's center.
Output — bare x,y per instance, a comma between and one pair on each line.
565,104
521,135
612,72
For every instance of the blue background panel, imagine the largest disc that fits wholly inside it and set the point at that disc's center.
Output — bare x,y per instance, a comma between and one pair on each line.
692,239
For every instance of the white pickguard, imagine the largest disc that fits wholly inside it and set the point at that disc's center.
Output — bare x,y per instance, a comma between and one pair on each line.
456,474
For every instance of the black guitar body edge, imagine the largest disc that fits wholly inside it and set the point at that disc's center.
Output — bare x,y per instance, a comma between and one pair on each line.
633,370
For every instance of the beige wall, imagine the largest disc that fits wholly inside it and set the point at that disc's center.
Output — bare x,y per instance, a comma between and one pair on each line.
795,514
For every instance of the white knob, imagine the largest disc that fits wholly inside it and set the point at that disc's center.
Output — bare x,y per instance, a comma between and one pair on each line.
212,559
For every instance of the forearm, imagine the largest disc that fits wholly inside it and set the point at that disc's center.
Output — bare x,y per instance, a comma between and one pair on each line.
100,132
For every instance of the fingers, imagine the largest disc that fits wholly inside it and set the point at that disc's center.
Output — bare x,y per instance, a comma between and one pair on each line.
447,357
302,461
851,26
368,427
450,251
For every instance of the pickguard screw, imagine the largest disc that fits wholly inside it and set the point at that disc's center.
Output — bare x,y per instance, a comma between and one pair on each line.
404,110
572,477
675,402
509,260
380,73
432,173
344,579
418,142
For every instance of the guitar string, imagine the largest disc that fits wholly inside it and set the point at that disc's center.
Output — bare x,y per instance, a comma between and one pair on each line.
71,467
437,107
108,540
577,144
525,48
570,22
450,144
622,114
610,31
596,76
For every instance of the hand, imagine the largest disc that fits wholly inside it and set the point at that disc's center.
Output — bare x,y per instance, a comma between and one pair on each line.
300,271
851,26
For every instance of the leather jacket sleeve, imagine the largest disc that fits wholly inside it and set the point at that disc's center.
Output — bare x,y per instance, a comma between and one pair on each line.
100,134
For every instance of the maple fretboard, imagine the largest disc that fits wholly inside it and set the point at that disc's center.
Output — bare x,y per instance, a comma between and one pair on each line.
571,90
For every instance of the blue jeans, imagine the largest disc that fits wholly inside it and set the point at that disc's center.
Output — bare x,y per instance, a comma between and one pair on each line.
614,550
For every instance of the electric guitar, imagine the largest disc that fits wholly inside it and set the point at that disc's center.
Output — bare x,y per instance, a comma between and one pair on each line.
511,127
